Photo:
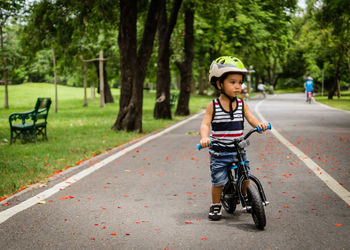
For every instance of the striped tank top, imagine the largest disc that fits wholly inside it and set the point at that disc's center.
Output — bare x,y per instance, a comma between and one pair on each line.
224,130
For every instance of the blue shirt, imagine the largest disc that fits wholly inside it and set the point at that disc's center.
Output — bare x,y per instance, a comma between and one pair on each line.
309,86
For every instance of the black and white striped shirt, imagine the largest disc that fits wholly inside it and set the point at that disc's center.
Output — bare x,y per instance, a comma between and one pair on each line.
225,130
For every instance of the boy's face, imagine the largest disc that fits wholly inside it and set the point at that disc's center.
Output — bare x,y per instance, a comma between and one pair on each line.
232,84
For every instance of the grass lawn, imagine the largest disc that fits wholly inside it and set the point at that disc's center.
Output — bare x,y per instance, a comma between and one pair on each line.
75,132
342,103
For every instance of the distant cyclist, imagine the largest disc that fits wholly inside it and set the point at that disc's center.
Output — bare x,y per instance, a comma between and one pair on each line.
309,87
244,92
261,89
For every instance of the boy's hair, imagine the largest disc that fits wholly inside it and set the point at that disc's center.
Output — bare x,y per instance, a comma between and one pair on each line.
223,77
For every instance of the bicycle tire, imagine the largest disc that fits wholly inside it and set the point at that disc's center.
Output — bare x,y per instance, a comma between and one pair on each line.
229,204
257,207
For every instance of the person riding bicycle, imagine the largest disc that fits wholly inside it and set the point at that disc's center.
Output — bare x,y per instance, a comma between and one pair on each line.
244,92
309,87
225,115
261,89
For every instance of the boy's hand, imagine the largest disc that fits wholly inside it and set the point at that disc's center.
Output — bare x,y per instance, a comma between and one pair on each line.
205,142
263,126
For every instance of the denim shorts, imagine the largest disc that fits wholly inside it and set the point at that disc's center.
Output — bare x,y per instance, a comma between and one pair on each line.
219,162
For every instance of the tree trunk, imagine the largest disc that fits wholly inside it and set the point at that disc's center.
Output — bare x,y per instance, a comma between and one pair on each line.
4,60
92,88
162,109
201,84
108,98
55,77
335,87
185,67
134,64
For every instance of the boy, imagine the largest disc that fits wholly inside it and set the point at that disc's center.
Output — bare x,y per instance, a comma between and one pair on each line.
226,117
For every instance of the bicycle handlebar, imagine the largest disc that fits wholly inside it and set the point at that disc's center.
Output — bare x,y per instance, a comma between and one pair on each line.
256,129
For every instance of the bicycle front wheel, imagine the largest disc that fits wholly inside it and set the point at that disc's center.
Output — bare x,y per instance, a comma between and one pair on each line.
257,207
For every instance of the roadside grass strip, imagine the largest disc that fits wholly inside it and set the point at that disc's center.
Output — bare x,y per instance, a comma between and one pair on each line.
343,193
8,213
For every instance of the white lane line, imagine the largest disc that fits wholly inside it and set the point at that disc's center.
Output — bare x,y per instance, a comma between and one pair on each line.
8,213
320,173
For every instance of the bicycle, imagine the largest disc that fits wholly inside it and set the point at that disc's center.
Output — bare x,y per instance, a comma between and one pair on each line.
232,193
309,97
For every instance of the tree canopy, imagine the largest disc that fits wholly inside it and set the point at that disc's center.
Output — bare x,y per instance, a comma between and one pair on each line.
279,42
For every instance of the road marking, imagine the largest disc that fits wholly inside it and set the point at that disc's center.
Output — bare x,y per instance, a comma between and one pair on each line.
8,213
320,173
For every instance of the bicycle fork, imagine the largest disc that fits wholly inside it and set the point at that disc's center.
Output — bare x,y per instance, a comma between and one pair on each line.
239,187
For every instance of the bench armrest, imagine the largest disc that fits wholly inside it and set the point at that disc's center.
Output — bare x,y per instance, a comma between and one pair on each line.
22,116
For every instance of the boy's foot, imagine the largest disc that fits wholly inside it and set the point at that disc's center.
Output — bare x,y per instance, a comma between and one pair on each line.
215,212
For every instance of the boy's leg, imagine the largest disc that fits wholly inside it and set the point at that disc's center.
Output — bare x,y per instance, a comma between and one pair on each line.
218,167
245,185
215,208
216,194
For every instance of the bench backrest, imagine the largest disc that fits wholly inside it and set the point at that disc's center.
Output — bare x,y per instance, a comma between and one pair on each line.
42,102
42,106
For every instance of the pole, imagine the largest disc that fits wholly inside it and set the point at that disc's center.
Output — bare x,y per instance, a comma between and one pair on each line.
85,83
322,81
55,76
102,98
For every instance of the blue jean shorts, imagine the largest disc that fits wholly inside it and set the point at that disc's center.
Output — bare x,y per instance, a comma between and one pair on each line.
219,162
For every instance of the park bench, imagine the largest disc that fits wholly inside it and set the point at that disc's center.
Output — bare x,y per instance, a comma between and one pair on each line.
173,99
30,124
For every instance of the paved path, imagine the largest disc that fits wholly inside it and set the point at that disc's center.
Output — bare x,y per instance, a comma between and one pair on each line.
157,196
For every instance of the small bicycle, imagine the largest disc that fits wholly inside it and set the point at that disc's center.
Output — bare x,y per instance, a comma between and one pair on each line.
232,193
309,97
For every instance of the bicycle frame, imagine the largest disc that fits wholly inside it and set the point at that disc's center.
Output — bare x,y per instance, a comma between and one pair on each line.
242,172
243,175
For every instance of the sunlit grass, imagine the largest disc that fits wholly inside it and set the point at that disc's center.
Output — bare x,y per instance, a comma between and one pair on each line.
75,132
340,103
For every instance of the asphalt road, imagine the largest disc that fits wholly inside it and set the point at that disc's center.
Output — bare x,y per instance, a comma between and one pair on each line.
157,196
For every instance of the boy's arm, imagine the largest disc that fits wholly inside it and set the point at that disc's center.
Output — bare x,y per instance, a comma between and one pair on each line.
205,126
253,121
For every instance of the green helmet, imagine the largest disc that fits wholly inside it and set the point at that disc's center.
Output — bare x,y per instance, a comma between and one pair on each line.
223,65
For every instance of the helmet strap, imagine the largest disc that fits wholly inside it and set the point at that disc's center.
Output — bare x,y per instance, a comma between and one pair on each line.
232,99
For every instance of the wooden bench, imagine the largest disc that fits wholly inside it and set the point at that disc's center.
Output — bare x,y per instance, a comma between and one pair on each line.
173,99
32,123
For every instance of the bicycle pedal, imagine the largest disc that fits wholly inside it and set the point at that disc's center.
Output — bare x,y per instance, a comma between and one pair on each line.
266,203
247,209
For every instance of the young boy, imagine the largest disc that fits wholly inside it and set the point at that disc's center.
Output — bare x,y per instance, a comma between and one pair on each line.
226,116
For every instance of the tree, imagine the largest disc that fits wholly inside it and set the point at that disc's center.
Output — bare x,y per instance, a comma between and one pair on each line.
334,17
8,9
165,28
49,26
185,67
134,62
66,27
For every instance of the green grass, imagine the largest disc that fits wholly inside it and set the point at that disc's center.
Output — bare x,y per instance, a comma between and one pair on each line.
75,132
340,103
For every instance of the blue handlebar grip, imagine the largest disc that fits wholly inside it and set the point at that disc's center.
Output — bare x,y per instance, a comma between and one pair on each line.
259,129
269,126
199,147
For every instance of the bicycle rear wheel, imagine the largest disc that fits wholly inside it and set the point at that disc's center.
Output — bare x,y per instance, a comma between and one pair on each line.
228,200
257,207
